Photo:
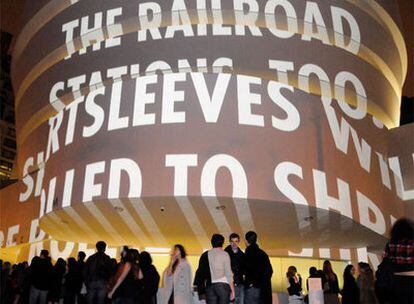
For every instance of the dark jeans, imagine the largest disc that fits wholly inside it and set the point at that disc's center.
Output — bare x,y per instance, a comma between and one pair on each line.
96,292
69,298
239,293
252,295
37,296
218,293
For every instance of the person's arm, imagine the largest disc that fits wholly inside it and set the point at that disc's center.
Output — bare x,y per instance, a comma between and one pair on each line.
200,276
85,270
189,275
242,265
125,270
292,286
268,267
155,281
336,286
248,264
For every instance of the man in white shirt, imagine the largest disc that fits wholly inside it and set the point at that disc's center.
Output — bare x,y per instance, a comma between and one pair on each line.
214,278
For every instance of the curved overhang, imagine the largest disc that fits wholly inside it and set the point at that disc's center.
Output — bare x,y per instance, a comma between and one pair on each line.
162,221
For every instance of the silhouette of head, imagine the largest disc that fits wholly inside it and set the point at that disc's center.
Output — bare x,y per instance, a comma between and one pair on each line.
101,246
44,254
81,256
217,240
251,237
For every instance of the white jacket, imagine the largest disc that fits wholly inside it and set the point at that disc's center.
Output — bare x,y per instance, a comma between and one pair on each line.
181,281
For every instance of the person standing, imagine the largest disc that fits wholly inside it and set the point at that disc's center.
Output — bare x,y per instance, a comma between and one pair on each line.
395,278
237,259
5,283
25,283
72,282
125,288
81,296
55,291
294,286
40,278
258,285
178,279
350,292
97,273
366,284
150,279
331,284
313,274
214,278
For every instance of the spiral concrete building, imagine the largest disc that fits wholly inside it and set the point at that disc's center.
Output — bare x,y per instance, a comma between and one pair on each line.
151,123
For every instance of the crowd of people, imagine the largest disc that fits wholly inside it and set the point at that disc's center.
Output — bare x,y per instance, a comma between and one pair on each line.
223,275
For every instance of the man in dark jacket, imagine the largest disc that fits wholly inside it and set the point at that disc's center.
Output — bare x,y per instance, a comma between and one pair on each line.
40,277
81,296
97,273
258,273
238,266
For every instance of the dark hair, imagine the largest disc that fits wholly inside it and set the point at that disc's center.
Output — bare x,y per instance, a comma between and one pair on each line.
60,266
6,267
251,237
180,248
130,257
81,255
234,236
320,274
291,271
403,229
60,262
145,259
34,260
135,253
327,269
101,246
347,273
124,249
44,253
124,252
217,240
366,276
313,271
364,266
71,264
